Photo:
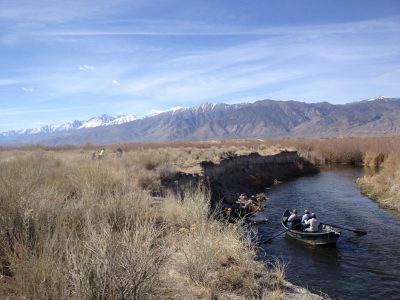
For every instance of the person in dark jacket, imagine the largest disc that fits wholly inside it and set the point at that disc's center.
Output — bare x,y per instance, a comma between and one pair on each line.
294,220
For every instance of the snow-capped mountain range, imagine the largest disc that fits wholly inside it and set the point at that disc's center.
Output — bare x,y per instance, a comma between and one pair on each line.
107,120
103,120
378,116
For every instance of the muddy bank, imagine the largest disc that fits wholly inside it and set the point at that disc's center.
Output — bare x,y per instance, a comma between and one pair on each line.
250,174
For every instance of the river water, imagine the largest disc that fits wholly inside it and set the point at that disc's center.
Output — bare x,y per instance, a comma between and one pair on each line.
359,267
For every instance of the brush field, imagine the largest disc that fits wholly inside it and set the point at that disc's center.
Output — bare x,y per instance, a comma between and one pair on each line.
76,228
73,227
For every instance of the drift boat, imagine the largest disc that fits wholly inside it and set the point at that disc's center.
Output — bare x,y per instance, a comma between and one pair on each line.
327,236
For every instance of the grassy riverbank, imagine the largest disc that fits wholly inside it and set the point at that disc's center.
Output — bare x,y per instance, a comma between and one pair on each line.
384,185
381,156
72,227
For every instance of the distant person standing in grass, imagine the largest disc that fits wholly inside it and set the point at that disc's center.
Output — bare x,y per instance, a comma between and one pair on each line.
119,152
101,153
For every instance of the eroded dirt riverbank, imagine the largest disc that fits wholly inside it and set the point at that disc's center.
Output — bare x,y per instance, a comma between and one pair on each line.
250,174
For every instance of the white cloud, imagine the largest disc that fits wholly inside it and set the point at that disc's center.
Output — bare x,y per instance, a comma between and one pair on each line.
27,90
271,61
86,68
273,64
184,28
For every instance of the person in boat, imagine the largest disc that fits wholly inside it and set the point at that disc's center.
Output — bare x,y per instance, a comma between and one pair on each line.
305,218
294,220
313,223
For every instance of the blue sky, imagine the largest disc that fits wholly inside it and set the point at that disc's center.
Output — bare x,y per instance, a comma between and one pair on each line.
66,60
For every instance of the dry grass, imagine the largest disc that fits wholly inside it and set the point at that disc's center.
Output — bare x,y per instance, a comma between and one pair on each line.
73,227
210,259
384,186
146,164
75,230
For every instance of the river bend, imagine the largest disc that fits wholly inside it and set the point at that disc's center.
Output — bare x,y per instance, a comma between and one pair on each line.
360,267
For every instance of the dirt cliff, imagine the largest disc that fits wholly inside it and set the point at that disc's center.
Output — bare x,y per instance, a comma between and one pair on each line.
248,174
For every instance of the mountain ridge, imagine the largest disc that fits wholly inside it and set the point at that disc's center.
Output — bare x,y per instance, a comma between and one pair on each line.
260,119
103,120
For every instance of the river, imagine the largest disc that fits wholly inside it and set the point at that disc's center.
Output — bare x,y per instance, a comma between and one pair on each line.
359,267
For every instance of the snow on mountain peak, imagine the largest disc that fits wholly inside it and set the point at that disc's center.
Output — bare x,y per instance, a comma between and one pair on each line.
97,121
206,106
103,120
378,98
174,109
123,119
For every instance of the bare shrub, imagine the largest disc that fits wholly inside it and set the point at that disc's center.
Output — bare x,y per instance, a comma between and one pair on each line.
278,272
193,208
153,157
166,170
122,265
148,180
210,258
374,160
101,243
96,179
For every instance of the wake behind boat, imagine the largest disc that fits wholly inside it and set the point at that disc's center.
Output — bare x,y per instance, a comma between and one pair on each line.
326,236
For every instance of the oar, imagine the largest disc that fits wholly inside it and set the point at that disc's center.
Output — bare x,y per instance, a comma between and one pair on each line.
349,229
268,240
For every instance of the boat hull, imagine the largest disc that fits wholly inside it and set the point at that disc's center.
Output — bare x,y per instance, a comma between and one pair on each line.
317,240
